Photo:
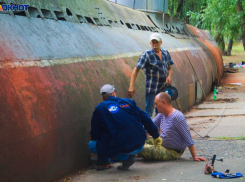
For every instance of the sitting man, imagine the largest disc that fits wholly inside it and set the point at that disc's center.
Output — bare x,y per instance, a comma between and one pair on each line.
118,130
175,133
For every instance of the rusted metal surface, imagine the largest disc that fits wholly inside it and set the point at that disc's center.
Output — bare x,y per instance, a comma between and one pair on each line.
45,123
51,71
212,46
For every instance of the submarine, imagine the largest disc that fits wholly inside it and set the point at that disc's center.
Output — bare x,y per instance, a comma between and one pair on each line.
54,57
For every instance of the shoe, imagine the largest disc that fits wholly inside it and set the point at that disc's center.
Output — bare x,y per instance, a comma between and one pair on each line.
99,168
103,164
127,163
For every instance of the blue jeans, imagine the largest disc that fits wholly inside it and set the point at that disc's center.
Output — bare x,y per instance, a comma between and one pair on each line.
149,107
119,157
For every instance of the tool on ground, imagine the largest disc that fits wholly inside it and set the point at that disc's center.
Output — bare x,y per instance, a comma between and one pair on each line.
226,175
221,160
209,168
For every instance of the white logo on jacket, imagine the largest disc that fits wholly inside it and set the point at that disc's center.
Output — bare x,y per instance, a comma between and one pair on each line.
113,108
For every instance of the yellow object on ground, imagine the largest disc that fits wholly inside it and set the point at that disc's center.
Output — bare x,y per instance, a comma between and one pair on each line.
154,153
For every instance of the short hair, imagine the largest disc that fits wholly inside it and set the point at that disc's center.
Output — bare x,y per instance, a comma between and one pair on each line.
164,96
105,95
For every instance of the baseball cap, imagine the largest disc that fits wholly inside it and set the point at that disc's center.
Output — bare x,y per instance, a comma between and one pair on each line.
155,36
107,89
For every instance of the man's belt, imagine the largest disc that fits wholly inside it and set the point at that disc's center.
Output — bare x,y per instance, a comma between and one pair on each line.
178,151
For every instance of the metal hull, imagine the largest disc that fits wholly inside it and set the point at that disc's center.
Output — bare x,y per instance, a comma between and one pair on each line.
51,72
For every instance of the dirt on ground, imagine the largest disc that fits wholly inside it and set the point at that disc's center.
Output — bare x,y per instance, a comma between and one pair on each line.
230,82
235,58
233,77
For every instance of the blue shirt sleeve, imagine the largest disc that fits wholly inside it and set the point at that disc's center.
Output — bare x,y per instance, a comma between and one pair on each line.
148,124
96,125
142,61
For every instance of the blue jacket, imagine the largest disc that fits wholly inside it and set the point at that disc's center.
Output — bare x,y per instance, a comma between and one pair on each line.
119,126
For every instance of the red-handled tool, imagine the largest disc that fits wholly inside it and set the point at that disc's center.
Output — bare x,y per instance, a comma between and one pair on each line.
209,168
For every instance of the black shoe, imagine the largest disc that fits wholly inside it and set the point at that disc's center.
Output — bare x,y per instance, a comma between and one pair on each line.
127,163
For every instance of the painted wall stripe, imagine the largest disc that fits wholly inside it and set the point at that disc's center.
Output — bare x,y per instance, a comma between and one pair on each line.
63,61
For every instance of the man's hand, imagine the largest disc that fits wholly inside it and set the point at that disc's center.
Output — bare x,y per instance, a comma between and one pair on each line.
131,91
193,153
168,80
199,159
158,142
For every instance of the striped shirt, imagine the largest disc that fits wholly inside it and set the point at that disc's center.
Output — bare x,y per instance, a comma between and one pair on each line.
156,71
175,133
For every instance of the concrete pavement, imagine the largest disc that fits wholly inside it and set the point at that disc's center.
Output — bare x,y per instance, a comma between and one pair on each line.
183,170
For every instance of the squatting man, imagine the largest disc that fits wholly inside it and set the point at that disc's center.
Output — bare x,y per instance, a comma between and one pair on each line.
118,130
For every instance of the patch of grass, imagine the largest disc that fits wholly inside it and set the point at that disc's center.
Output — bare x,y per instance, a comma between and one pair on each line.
237,50
237,55
225,57
231,138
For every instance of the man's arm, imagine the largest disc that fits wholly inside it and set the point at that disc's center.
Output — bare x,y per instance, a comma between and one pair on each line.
151,128
170,72
96,125
193,153
131,90
182,127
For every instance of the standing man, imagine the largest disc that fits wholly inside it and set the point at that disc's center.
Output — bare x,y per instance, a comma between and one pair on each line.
175,133
118,130
157,64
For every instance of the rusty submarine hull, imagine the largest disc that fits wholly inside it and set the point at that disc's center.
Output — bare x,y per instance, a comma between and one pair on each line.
54,58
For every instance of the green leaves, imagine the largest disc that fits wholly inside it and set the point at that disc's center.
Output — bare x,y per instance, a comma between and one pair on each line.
221,15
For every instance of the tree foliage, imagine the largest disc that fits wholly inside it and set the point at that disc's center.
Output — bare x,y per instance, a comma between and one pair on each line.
225,19
220,16
188,5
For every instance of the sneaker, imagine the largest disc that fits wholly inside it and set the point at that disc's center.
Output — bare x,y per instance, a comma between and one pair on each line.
127,163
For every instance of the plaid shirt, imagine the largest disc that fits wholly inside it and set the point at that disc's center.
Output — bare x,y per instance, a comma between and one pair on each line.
156,71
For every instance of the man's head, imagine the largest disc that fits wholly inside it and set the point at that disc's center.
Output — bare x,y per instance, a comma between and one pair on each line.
162,102
107,90
155,41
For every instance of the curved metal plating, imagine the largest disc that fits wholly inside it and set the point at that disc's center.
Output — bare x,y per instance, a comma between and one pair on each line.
53,60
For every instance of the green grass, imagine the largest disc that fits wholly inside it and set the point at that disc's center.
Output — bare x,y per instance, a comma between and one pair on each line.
237,54
237,50
231,138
